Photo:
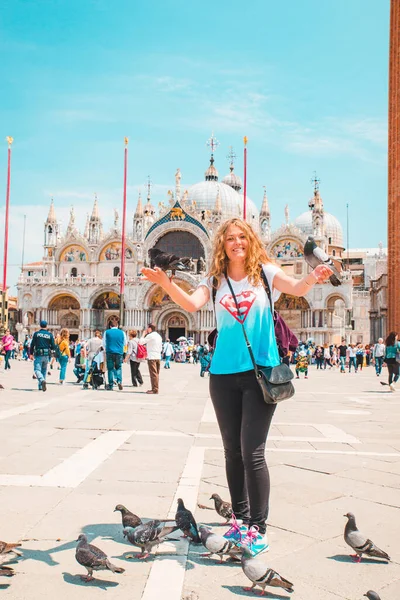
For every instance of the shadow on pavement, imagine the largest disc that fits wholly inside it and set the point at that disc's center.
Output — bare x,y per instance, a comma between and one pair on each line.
239,591
97,583
346,558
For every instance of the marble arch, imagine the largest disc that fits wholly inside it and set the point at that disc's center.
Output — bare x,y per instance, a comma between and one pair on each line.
159,232
169,311
331,299
61,292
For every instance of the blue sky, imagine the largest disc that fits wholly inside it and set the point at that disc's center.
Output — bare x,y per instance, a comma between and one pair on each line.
305,80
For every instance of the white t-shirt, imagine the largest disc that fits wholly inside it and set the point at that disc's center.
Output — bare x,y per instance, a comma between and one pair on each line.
231,354
153,342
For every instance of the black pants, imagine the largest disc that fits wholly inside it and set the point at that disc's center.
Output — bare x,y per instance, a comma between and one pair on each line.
135,373
393,369
244,420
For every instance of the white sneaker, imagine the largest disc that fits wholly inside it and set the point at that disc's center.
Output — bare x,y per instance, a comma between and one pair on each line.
392,388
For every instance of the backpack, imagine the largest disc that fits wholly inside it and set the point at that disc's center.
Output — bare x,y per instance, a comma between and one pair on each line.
141,352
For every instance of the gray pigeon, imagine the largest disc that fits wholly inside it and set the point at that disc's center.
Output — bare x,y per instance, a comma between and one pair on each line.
93,559
315,256
8,551
216,544
372,595
224,509
168,262
129,519
259,574
186,522
361,544
148,535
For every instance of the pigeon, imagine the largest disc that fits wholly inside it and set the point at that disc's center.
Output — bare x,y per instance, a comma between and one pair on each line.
8,551
362,545
186,522
315,256
93,559
224,509
168,262
371,595
7,571
216,544
259,574
148,535
128,518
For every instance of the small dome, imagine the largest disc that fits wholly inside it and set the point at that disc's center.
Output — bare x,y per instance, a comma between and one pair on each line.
233,180
332,227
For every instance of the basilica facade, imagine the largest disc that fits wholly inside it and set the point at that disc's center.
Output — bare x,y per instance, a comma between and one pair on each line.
76,284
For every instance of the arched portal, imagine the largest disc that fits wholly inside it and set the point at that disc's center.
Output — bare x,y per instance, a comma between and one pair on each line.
293,310
64,311
182,243
105,305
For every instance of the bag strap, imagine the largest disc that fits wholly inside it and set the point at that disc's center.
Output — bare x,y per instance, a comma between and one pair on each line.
267,289
249,348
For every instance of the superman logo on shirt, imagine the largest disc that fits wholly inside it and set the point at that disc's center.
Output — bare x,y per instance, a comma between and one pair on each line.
245,301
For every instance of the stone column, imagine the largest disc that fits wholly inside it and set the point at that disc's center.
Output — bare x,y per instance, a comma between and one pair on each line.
394,170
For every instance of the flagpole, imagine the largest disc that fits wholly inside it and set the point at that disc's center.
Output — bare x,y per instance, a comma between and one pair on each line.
5,254
245,179
123,245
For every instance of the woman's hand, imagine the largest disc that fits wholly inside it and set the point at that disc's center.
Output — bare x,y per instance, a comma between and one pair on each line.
322,273
156,275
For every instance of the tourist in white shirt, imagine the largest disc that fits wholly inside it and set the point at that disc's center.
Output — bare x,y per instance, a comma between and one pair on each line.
378,355
352,358
153,342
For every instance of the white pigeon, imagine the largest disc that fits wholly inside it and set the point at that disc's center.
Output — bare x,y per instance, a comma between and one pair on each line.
259,574
359,542
216,544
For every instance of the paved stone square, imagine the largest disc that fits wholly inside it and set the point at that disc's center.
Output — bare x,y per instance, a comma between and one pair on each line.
68,456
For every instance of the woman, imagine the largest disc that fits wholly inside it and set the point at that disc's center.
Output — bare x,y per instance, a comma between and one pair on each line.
319,357
359,357
8,346
327,356
352,358
92,348
65,353
134,361
392,348
243,417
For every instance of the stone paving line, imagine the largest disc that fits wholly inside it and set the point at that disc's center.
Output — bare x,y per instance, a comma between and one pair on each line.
352,436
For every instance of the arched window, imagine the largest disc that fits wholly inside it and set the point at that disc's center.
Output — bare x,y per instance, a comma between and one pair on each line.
116,271
74,272
333,252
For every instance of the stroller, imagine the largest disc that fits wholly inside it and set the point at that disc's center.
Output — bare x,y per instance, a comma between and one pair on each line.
95,376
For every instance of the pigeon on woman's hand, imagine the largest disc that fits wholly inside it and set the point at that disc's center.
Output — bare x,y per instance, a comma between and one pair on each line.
168,262
315,256
129,519
359,542
186,522
93,559
216,544
224,509
371,595
148,535
259,574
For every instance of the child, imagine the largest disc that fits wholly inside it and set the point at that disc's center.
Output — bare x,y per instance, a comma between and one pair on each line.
302,365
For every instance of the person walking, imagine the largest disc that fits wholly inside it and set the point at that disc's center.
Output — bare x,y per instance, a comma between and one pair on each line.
319,357
134,361
378,355
153,342
359,357
93,346
168,352
64,353
8,347
352,358
327,357
205,360
243,417
302,364
114,342
342,350
25,350
392,350
42,347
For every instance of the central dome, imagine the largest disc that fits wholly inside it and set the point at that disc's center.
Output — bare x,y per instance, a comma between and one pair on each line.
332,227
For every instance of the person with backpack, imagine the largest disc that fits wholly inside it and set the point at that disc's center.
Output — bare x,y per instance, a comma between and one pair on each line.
42,346
239,264
114,342
392,356
153,342
133,358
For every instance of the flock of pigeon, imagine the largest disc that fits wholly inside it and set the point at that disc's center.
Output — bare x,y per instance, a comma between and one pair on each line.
147,536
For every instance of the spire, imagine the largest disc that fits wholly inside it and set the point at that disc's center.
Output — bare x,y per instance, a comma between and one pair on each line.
95,211
265,206
178,178
71,225
317,207
51,217
86,234
139,207
212,174
218,206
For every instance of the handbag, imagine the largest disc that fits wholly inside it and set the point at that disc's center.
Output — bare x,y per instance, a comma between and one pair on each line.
275,382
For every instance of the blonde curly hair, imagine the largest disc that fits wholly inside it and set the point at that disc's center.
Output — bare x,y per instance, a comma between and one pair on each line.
256,255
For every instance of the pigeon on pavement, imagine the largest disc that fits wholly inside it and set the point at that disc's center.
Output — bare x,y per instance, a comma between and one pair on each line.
259,574
93,559
371,595
224,509
186,522
8,551
216,544
129,519
315,256
7,571
361,544
148,535
168,262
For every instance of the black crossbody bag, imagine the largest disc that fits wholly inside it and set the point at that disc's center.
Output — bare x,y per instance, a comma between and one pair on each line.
275,382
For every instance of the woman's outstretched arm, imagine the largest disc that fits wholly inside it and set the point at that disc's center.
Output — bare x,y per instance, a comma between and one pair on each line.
300,287
189,302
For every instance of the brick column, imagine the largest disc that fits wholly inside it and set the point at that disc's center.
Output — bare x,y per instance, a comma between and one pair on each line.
394,171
